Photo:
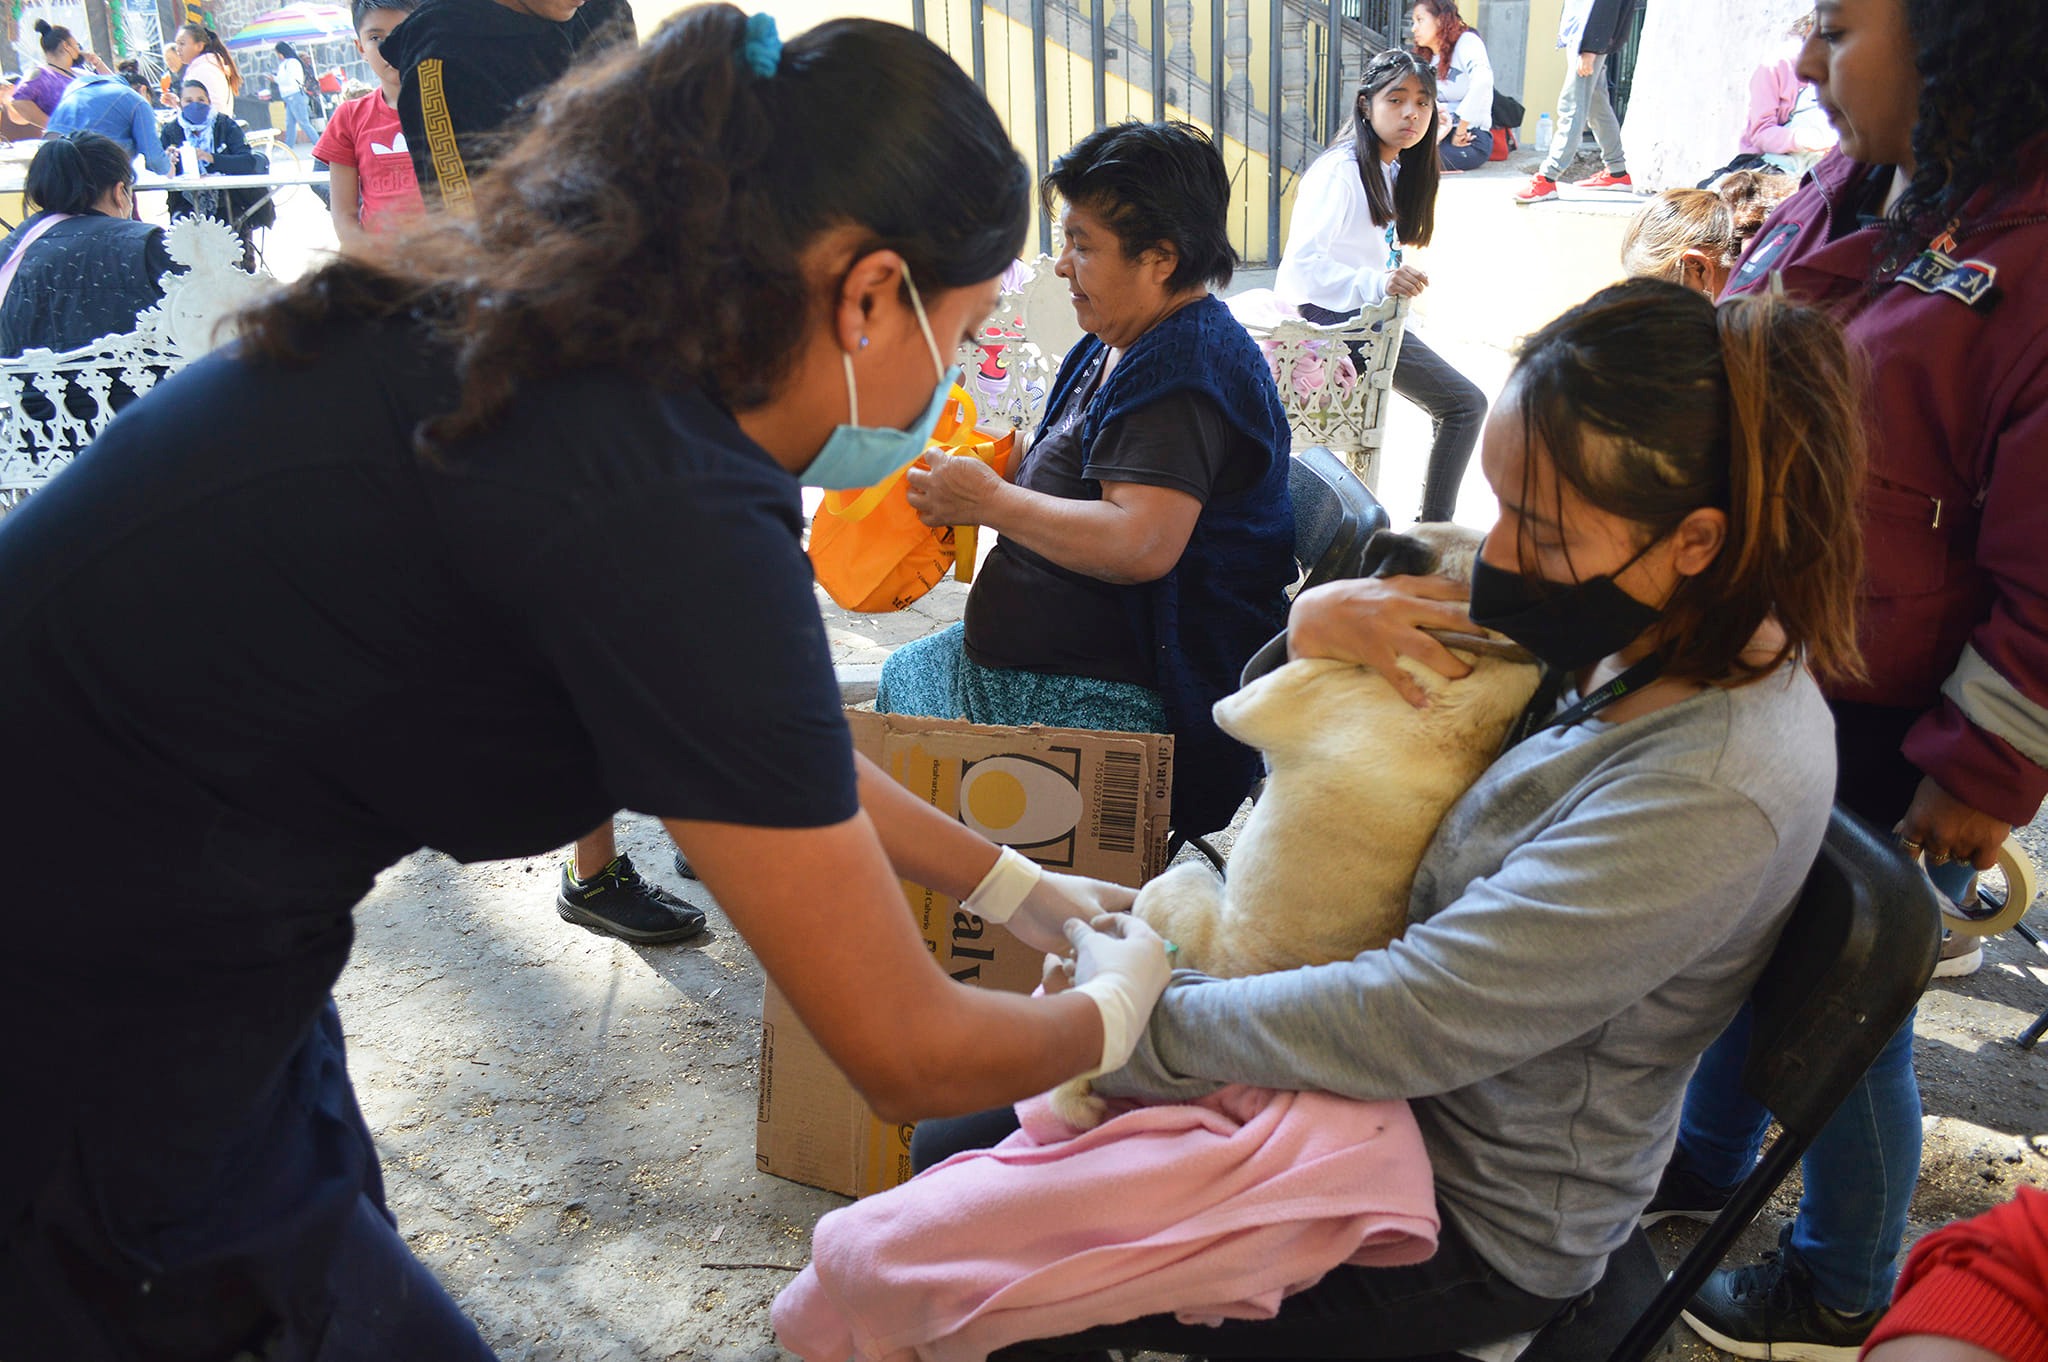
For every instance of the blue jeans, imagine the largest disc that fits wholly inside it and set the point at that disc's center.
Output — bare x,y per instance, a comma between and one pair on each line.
1471,156
1584,100
1859,1173
298,114
1456,407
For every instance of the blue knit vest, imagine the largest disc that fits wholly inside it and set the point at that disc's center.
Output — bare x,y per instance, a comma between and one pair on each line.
1226,596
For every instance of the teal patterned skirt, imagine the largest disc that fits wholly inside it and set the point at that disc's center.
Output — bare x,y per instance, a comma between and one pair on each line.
935,677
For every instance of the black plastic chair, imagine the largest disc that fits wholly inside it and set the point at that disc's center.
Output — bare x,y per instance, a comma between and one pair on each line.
1335,516
1855,957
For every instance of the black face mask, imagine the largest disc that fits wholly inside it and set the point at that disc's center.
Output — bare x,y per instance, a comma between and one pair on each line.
1566,626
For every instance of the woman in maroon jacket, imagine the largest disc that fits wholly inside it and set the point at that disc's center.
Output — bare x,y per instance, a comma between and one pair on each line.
1925,233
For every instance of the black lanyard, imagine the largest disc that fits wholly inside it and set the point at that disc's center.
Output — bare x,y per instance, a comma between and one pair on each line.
1541,715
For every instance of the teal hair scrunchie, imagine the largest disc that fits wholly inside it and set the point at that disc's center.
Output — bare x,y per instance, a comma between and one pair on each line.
762,48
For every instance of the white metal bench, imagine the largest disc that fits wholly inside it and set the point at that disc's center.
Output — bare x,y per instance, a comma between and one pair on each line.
1332,399
77,387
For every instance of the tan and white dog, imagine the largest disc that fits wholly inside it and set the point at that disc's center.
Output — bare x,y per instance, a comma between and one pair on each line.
1359,780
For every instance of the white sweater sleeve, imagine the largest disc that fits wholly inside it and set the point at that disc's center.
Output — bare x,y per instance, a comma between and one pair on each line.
1335,258
1476,108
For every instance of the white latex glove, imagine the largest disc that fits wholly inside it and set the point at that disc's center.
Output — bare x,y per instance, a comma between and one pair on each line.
1035,903
1121,965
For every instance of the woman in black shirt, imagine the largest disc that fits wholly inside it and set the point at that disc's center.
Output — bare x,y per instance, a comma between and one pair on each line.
537,560
1147,537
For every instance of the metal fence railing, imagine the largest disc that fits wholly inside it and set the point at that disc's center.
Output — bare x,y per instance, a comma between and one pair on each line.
1273,93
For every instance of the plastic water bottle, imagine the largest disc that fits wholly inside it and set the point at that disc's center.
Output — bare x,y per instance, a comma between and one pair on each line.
1543,132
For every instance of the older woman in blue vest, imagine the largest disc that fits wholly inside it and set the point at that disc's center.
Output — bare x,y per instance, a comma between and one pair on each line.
1147,537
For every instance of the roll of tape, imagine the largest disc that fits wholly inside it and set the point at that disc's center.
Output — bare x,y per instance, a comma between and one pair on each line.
2022,885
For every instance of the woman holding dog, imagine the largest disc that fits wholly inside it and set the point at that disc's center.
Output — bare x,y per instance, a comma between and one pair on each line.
1678,544
472,608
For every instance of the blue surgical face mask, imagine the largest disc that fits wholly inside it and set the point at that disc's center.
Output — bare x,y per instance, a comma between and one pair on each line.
197,115
861,456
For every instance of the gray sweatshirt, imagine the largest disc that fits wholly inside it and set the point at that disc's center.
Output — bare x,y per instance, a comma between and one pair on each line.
1588,918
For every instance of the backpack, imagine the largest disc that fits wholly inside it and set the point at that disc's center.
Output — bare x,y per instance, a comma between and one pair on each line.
314,102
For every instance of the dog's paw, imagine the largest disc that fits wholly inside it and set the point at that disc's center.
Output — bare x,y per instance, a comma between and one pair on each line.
1075,1102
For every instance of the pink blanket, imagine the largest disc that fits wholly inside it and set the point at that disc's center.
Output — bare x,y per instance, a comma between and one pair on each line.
1215,1210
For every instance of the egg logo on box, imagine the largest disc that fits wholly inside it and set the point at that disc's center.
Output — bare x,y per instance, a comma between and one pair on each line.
1018,801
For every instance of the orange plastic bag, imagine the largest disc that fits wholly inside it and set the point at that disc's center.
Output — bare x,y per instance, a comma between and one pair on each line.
868,548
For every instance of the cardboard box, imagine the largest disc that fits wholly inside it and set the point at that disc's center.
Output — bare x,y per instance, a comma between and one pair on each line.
1082,802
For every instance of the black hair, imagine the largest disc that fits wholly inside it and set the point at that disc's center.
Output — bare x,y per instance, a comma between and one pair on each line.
137,82
1982,101
363,9
1752,407
200,86
54,36
211,45
682,265
284,49
70,173
1412,205
1155,184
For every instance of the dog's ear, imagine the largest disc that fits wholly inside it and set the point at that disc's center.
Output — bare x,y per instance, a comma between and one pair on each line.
1390,553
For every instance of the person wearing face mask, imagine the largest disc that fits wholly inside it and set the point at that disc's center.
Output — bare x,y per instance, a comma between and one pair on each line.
1372,193
1147,536
1644,452
219,147
61,55
544,562
1925,232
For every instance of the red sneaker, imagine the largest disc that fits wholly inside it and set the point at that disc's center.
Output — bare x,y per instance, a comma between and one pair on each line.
1540,187
1606,179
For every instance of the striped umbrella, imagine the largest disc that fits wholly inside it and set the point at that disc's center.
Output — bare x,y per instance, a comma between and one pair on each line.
293,24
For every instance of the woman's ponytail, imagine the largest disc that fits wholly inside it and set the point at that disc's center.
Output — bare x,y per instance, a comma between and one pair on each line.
1751,408
210,45
69,174
1795,474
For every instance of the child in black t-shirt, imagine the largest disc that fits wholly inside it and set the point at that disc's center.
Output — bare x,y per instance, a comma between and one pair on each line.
470,66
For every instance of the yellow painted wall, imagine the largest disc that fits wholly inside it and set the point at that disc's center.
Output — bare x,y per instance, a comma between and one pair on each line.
1070,95
1543,73
1070,107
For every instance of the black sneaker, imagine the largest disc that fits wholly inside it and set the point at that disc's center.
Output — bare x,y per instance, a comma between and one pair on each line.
683,867
1684,1194
1767,1310
618,902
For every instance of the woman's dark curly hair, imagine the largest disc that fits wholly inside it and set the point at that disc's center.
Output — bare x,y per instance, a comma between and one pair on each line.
653,216
1982,101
